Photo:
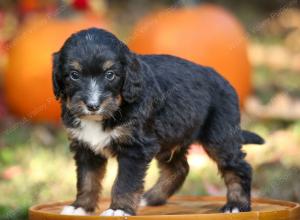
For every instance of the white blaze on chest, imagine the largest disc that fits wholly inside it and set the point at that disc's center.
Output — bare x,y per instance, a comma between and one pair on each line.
92,133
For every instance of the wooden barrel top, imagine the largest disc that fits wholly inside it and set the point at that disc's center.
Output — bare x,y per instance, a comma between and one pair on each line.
182,208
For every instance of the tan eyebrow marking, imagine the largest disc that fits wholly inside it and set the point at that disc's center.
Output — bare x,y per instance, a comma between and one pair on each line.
76,65
107,64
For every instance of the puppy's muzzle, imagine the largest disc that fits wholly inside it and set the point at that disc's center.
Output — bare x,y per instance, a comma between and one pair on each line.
92,100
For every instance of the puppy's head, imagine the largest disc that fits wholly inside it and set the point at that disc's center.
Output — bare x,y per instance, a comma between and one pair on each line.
94,73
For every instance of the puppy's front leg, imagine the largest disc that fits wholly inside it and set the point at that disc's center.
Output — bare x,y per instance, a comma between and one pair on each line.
128,186
90,172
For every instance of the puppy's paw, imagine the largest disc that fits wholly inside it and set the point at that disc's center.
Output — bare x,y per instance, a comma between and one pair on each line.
117,212
235,208
143,202
71,210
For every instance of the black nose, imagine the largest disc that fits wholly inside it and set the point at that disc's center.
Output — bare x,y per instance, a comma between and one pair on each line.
92,107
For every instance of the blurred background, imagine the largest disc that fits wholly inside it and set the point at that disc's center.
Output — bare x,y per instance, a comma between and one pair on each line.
254,44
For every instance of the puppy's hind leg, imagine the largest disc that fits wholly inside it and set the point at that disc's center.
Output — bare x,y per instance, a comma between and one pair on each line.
237,174
173,171
222,139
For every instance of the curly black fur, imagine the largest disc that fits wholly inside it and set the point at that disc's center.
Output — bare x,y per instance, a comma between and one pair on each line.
155,107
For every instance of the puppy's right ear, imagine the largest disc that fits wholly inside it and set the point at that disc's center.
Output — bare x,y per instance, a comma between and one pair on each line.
56,76
133,84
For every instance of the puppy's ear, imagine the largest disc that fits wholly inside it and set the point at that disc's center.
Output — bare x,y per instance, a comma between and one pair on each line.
56,76
133,83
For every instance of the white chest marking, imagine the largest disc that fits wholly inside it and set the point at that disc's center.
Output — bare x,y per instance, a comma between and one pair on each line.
91,132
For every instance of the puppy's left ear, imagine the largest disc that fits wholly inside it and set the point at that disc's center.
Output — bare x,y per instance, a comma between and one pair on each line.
56,76
133,84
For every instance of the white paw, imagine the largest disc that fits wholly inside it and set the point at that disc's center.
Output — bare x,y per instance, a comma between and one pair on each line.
143,202
71,210
111,212
234,210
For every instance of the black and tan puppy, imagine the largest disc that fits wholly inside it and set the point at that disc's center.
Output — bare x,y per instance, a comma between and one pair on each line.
116,103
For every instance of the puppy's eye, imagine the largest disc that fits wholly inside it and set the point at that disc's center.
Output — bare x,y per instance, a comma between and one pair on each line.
74,75
110,75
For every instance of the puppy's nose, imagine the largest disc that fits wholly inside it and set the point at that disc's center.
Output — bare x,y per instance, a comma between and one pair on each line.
92,107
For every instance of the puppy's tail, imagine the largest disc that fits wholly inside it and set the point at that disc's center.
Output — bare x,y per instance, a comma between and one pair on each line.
252,138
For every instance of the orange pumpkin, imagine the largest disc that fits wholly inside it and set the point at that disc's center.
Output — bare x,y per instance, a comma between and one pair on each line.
206,34
28,79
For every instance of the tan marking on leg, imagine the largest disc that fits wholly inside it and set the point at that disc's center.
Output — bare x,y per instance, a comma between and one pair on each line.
172,176
106,152
89,189
172,153
234,188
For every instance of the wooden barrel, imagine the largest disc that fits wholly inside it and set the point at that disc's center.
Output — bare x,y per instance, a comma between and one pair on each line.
182,208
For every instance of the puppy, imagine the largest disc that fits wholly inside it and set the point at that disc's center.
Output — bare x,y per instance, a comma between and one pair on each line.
116,103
